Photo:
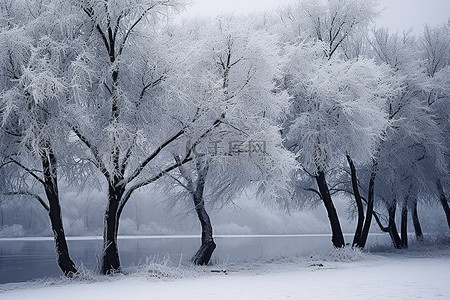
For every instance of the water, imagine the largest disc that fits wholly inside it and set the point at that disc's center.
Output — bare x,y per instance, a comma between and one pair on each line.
33,258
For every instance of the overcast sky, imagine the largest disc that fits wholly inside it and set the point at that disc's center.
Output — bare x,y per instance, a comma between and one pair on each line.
397,14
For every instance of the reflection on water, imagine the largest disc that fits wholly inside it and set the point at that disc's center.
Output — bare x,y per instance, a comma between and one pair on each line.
22,259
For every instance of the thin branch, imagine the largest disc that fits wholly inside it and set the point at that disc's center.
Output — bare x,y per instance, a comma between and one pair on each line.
108,89
185,175
28,170
90,12
165,144
13,133
334,191
130,191
314,191
41,201
178,164
235,128
98,162
116,28
214,125
180,183
377,218
307,172
236,62
127,156
6,163
152,156
144,13
150,85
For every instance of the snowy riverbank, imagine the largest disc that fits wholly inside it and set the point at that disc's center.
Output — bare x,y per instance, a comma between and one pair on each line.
421,272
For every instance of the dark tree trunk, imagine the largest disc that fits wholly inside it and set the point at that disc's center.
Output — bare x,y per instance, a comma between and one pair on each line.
404,223
416,222
370,201
337,236
110,259
392,227
443,200
65,263
380,224
203,255
359,204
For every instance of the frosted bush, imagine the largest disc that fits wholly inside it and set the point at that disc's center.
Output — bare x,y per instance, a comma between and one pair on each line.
346,254
14,230
75,227
165,268
232,228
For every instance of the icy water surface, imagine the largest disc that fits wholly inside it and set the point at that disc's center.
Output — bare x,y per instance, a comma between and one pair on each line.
26,259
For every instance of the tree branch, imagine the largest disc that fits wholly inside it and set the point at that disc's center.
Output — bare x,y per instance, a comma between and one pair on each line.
98,162
178,164
139,19
152,156
185,175
377,218
150,85
336,190
180,183
41,201
90,12
124,163
28,170
314,191
132,189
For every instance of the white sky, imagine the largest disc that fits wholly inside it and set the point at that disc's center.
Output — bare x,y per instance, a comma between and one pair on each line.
397,15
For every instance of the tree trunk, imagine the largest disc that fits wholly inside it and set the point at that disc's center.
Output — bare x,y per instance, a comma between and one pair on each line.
392,227
65,263
443,200
203,255
370,202
404,223
337,236
359,204
110,260
416,222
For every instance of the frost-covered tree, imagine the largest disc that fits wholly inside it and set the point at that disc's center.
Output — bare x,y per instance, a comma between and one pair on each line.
435,50
144,97
242,64
411,152
338,107
127,104
336,23
340,115
34,55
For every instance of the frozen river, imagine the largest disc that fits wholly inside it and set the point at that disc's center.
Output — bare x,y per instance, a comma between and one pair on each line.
23,259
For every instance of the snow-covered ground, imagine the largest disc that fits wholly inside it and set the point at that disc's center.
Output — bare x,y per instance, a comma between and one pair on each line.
343,274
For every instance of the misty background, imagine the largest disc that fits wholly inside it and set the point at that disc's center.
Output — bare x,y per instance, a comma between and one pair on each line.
150,212
398,15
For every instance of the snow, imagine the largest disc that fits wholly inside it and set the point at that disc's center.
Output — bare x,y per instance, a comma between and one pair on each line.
342,274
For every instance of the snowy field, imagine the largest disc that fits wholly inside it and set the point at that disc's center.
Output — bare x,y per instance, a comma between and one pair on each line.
419,273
